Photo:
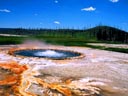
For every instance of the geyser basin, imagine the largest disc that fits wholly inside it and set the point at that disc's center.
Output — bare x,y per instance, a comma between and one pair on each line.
48,53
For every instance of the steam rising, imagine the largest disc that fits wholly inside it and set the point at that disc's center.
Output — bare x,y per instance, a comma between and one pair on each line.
85,76
49,53
34,43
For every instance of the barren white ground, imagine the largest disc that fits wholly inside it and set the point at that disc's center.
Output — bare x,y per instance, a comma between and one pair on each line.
110,45
108,70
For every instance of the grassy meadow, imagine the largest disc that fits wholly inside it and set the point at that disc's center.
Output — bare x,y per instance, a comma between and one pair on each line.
69,37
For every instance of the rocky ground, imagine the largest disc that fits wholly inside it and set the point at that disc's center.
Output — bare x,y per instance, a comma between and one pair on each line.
105,70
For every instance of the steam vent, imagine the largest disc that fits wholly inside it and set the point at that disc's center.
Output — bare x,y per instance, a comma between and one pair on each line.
51,70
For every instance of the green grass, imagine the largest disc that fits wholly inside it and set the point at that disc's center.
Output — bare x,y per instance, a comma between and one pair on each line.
4,40
117,49
70,37
82,42
66,40
61,41
122,50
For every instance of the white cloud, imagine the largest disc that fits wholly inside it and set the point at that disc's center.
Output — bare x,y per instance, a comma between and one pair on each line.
88,9
56,1
5,10
57,22
114,1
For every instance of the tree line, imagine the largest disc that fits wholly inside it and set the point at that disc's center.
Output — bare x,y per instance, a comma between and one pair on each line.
101,33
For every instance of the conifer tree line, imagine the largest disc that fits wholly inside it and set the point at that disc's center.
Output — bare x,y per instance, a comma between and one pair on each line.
101,33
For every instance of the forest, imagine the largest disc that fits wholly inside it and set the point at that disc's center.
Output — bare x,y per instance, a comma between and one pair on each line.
98,33
68,37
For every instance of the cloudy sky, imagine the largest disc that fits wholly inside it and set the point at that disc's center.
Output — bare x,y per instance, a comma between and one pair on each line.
63,13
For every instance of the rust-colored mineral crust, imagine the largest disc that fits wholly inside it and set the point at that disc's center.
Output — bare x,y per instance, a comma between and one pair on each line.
20,77
13,78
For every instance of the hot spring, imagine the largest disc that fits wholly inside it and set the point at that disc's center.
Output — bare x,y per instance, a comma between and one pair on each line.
93,73
48,53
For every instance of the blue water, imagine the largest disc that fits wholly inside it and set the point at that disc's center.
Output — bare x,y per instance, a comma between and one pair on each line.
46,53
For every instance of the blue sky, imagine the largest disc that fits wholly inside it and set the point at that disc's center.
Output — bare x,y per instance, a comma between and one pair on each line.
63,13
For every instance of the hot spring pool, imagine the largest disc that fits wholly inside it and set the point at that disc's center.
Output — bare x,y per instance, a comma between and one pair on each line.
48,53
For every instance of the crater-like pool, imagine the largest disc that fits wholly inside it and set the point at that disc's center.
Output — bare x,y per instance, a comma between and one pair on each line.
48,53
